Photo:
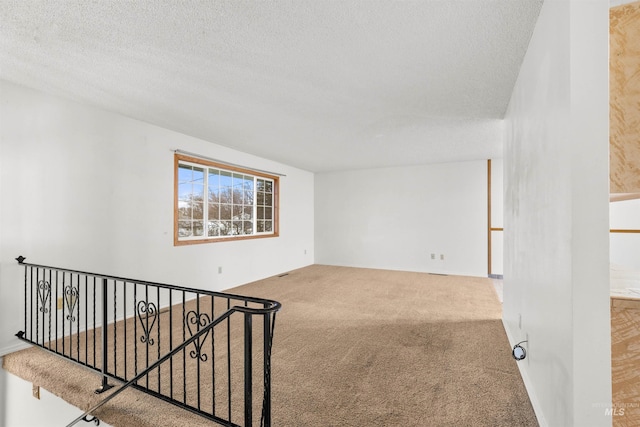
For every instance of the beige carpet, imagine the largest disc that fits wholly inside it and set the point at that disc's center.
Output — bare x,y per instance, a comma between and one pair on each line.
353,347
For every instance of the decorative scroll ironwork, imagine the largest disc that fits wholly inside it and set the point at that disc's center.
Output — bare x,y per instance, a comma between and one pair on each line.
199,321
147,310
71,299
91,419
44,293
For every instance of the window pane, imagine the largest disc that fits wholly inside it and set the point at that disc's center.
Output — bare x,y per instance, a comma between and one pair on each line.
198,228
248,190
260,184
268,186
184,228
213,177
184,173
184,211
268,226
268,213
198,176
225,212
260,212
214,228
238,189
268,199
225,228
237,212
198,212
260,225
185,191
214,195
225,187
248,212
214,189
260,199
214,211
248,227
198,192
237,227
225,195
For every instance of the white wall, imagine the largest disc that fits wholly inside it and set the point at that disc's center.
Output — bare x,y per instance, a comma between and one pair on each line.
18,408
556,289
92,190
395,218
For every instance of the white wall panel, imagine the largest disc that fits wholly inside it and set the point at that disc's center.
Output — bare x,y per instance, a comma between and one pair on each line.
395,218
556,289
18,408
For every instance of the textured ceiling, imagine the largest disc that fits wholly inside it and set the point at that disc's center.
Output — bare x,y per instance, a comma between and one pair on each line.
318,84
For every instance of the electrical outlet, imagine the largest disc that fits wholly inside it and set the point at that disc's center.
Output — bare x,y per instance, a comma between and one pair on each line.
441,257
35,391
219,270
433,256
59,303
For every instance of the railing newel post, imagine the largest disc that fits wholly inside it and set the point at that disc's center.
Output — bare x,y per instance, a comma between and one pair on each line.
266,405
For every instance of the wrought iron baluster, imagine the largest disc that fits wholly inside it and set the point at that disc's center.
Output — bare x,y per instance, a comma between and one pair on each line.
184,355
78,324
64,276
57,333
199,346
43,303
86,319
115,327
135,331
248,368
229,358
31,305
171,343
265,419
50,310
71,299
158,335
104,338
146,296
124,320
213,358
95,293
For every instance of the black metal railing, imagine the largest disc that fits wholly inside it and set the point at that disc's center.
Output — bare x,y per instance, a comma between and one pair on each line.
190,347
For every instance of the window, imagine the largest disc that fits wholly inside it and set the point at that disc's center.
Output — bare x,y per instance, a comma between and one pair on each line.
214,202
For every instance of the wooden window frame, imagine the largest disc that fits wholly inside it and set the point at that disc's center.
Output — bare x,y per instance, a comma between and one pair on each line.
178,158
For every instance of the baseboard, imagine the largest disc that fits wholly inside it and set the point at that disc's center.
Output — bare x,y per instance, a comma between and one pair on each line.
496,276
527,382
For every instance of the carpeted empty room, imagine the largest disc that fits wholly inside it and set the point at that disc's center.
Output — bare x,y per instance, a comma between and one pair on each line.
354,347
